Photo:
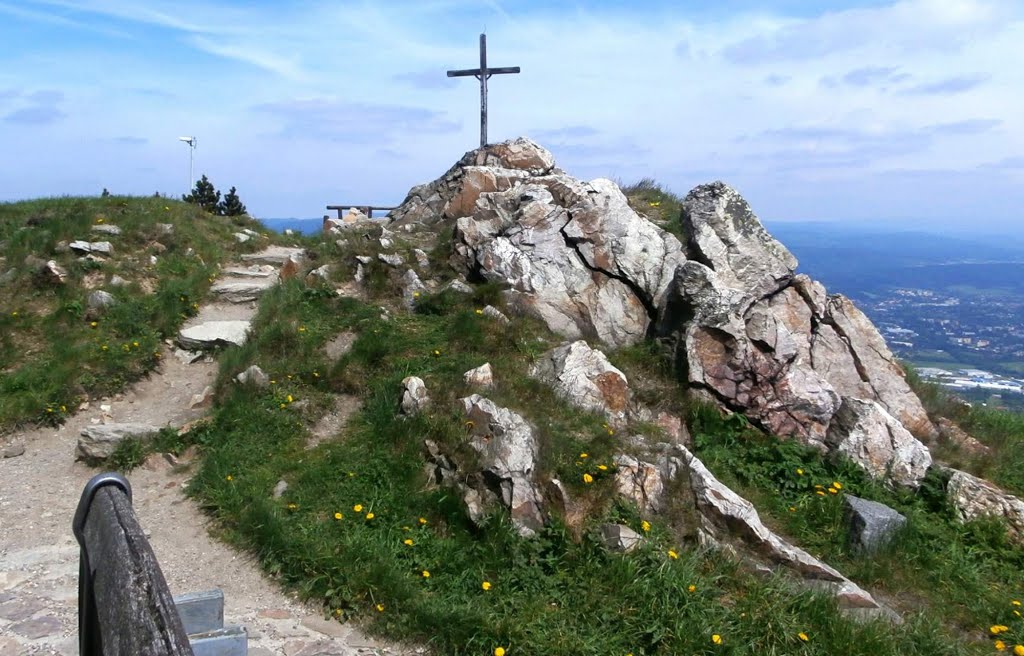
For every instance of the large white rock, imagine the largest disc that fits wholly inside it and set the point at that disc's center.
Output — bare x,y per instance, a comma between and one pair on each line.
974,498
584,377
414,395
482,376
867,434
214,334
508,453
100,441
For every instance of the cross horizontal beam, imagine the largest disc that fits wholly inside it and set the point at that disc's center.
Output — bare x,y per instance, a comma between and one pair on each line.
466,72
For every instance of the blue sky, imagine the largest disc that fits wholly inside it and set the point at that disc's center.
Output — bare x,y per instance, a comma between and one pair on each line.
903,111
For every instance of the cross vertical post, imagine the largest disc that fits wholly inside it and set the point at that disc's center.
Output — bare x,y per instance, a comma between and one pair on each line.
482,74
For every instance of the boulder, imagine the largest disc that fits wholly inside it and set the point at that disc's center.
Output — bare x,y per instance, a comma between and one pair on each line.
414,396
867,434
12,451
459,287
620,538
583,376
974,498
99,300
100,441
214,334
507,453
481,376
254,376
641,482
871,525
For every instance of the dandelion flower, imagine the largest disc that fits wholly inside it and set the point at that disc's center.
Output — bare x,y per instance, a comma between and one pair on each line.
1015,603
302,329
358,507
486,585
415,294
338,515
672,554
370,515
283,405
289,398
799,472
832,490
93,324
14,314
423,521
717,639
293,506
588,479
479,311
1000,645
426,574
820,493
603,467
837,485
380,608
228,477
792,509
584,456
997,629
645,526
691,588
803,636
499,651
407,542
1018,650
436,352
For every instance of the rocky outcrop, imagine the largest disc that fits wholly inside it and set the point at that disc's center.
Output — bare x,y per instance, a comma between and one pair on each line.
584,377
868,435
507,453
974,498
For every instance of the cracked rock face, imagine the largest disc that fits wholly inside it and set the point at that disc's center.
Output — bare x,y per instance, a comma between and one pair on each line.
974,498
584,377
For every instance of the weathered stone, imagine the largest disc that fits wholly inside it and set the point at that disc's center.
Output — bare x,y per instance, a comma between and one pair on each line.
422,259
40,627
117,281
956,436
254,376
12,451
872,525
867,434
188,357
100,441
203,399
391,259
319,275
507,452
620,538
481,376
241,237
20,608
214,334
584,377
675,429
412,287
54,273
291,267
279,489
639,482
974,498
235,290
492,312
106,228
99,299
339,346
95,247
459,287
414,396
275,255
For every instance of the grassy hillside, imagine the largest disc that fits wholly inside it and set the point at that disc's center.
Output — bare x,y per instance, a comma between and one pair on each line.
56,352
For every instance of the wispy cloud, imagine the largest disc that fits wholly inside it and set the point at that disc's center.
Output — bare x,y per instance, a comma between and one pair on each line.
348,122
38,115
868,76
949,85
570,132
428,79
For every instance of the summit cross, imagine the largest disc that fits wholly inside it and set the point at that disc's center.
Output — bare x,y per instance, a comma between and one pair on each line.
482,74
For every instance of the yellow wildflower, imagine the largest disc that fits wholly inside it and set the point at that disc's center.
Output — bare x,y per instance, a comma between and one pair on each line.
799,472
283,405
479,311
293,506
1015,602
228,477
1000,645
792,509
423,521
415,294
603,467
302,329
93,324
691,588
486,585
819,493
289,398
645,526
997,629
338,515
588,479
832,490
436,352
499,651
584,456
380,608
672,554
407,542
14,314
1018,650
358,507
837,485
717,639
803,636
426,574
103,348
63,408
316,374
370,515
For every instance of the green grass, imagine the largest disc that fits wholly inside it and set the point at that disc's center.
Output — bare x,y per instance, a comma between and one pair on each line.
560,593
54,351
658,204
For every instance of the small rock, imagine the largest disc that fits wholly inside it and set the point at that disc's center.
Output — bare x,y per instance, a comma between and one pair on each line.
481,376
165,228
53,273
584,377
871,524
291,267
99,299
12,451
391,259
280,489
329,628
339,346
61,247
254,376
106,228
412,287
459,287
202,400
620,538
289,232
414,395
364,259
319,274
496,314
241,237
422,260
188,357
101,247
157,248
152,260
117,281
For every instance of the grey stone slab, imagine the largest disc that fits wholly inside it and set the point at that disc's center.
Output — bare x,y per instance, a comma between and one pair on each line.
16,609
40,627
871,524
201,612
229,641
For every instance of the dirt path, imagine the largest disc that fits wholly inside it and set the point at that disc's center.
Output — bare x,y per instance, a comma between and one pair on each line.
39,491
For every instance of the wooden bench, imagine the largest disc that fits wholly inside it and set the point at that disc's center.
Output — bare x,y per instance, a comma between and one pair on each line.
124,605
365,209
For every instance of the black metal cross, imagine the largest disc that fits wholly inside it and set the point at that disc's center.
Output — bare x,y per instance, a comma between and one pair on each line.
482,74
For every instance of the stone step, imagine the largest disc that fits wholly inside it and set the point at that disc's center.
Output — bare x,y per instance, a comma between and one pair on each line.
213,334
241,290
276,255
254,271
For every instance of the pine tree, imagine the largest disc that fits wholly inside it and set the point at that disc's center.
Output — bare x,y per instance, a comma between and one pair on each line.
204,195
231,205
